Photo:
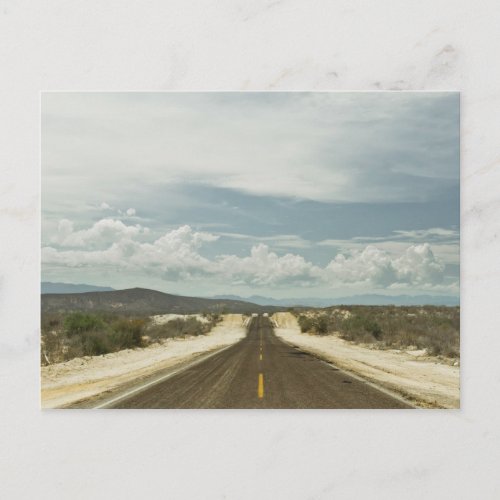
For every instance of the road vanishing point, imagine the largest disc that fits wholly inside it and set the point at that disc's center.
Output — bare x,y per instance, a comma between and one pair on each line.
260,371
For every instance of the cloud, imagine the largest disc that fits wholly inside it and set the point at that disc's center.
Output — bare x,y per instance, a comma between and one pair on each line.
434,234
445,242
289,169
419,266
263,267
371,265
177,255
416,266
326,147
174,255
101,233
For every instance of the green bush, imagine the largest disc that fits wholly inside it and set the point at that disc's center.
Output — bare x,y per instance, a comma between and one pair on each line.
95,344
305,323
321,324
82,334
127,333
78,322
361,329
373,328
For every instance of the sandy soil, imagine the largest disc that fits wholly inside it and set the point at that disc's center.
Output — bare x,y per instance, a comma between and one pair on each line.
422,380
80,378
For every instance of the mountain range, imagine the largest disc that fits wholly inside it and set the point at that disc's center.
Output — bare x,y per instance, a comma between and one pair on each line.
61,296
49,287
365,299
145,302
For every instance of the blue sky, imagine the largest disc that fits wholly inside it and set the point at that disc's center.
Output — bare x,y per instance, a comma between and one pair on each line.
277,194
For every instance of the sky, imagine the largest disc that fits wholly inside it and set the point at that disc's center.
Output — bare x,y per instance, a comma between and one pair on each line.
280,194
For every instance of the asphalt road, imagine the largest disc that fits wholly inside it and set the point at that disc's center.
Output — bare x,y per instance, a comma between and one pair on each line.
260,371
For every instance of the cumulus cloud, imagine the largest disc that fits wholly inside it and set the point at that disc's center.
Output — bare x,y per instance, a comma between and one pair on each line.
263,267
103,232
177,255
416,266
252,163
372,265
173,256
419,266
444,241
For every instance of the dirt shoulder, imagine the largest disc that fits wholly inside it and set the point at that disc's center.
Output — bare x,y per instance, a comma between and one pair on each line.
425,382
80,378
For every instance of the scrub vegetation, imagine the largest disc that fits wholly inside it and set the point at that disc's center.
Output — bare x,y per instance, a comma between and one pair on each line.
180,327
433,328
78,334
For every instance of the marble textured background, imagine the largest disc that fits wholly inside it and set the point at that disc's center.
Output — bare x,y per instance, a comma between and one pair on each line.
237,45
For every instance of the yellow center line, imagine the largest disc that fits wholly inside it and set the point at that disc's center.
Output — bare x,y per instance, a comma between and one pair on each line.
260,356
260,390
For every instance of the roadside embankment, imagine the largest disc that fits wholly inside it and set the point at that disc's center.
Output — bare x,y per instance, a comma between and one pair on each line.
81,378
424,381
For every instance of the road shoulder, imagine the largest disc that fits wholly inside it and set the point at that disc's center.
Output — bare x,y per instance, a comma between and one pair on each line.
82,381
423,383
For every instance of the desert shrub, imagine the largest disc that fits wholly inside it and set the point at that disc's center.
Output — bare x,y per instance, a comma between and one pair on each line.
321,324
77,322
182,327
305,323
191,326
82,334
360,329
127,333
434,328
373,328
96,343
335,322
445,342
77,334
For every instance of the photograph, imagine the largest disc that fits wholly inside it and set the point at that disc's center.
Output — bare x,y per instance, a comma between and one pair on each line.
250,250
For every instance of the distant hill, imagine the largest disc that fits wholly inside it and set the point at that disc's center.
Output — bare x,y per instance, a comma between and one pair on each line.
144,301
49,287
367,299
269,301
399,300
